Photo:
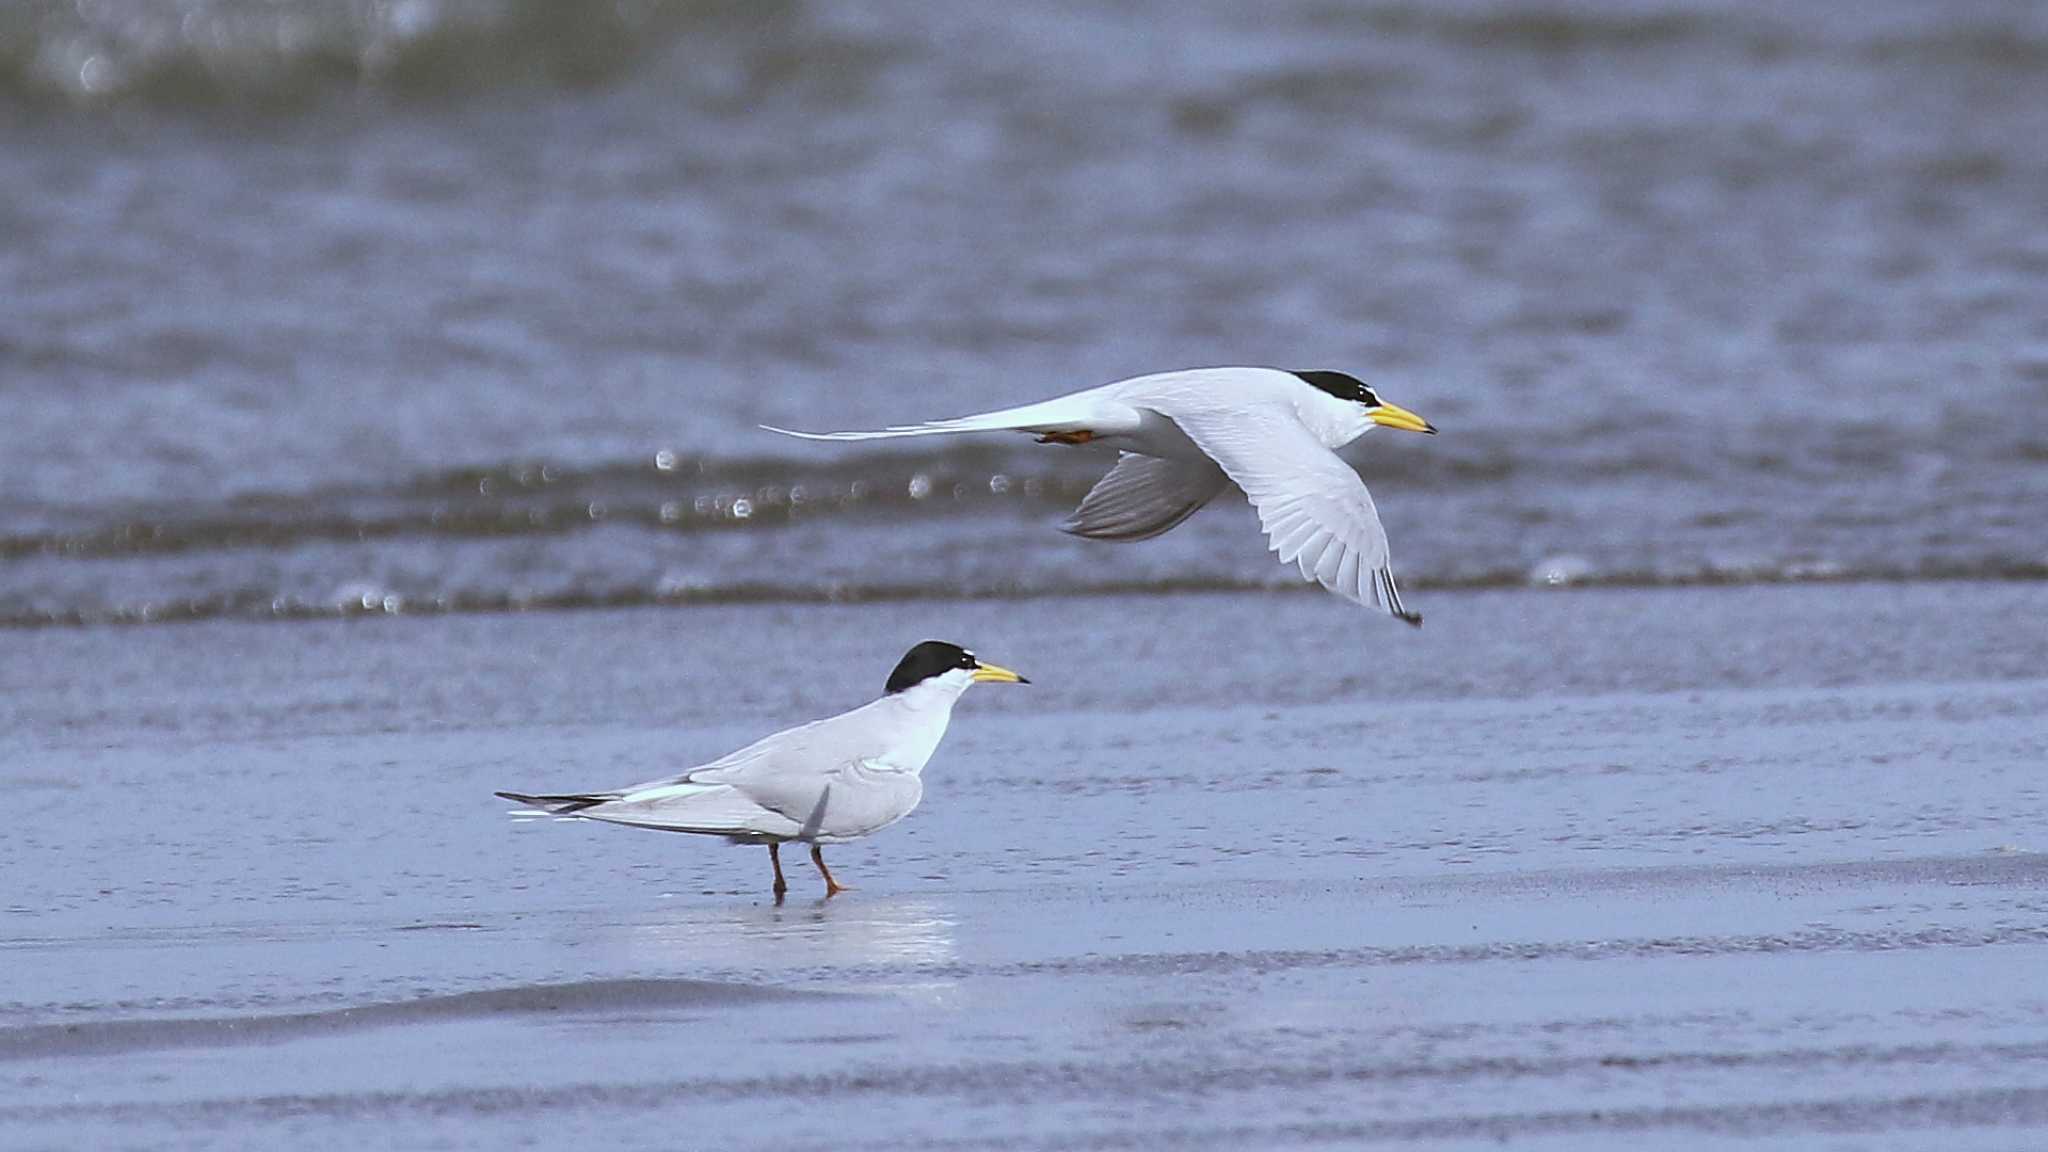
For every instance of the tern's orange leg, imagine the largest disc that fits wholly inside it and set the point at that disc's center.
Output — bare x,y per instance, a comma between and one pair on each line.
832,887
1080,437
775,858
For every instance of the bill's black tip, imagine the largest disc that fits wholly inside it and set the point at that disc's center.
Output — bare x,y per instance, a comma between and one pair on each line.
1023,679
1428,429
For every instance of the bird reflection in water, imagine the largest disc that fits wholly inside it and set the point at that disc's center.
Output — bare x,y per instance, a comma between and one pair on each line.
786,939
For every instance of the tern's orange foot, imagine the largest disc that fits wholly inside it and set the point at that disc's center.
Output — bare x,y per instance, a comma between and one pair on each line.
1081,437
832,887
781,885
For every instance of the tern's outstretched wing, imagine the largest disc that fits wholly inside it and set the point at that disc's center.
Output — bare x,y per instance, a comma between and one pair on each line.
1144,496
1315,510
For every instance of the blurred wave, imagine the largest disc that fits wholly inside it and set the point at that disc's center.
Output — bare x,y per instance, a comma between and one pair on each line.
681,493
1485,509
262,52
668,493
365,600
279,55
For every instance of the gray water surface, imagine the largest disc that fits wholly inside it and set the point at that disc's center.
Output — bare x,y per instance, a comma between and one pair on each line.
311,308
1770,872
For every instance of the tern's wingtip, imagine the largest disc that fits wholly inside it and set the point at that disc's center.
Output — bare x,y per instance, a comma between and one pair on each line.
791,432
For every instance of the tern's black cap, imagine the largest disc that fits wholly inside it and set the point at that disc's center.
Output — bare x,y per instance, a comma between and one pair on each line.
1343,387
929,659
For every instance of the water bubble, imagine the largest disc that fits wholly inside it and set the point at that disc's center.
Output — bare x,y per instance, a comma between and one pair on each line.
596,510
96,75
999,484
1560,570
678,584
920,486
361,594
742,508
665,460
671,512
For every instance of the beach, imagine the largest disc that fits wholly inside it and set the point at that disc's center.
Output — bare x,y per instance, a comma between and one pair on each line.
1487,880
381,402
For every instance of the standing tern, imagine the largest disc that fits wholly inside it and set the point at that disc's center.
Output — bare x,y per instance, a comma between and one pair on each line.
1183,436
821,783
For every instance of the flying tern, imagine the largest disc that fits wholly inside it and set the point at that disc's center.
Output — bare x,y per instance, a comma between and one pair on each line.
825,782
1184,436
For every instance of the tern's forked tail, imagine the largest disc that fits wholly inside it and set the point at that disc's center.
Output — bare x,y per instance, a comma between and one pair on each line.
1063,415
560,805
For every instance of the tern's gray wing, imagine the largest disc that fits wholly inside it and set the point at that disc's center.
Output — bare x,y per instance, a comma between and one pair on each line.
1314,509
1144,496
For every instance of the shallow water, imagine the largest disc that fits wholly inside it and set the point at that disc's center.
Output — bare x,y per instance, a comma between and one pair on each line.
1769,872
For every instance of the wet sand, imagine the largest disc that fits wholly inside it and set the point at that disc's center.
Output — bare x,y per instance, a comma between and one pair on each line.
1610,868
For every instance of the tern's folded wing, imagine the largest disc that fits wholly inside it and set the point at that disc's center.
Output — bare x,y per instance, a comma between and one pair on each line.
830,776
1315,510
708,808
788,745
